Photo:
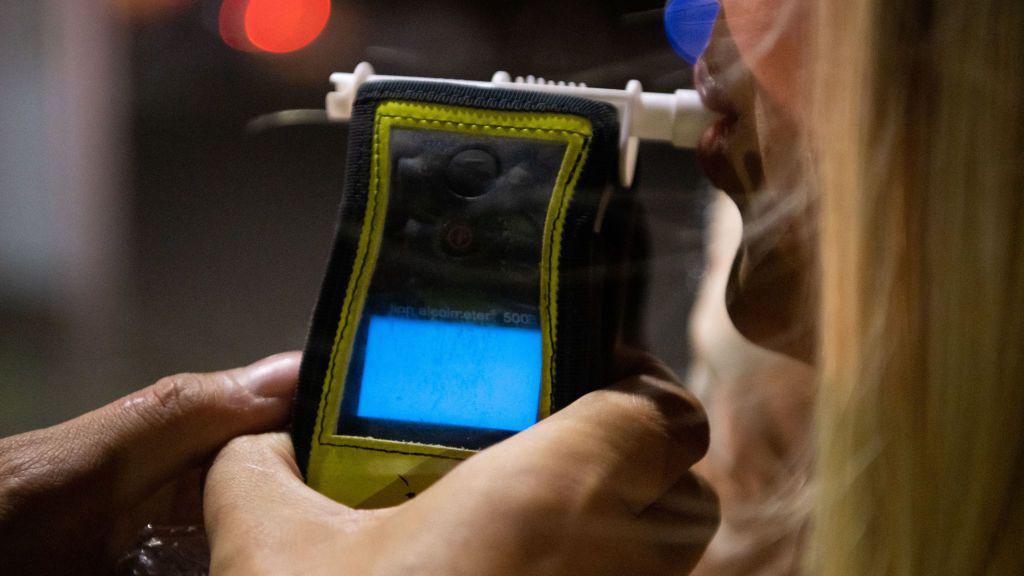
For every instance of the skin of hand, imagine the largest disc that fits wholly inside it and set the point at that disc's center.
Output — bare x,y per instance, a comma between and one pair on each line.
602,487
68,492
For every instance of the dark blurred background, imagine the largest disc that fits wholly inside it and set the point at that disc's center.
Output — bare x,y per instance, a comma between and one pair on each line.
143,231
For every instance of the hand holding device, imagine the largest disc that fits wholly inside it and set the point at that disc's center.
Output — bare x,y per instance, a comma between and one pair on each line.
601,487
72,496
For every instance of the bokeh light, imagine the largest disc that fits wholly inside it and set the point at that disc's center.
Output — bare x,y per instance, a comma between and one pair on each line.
276,26
285,25
231,24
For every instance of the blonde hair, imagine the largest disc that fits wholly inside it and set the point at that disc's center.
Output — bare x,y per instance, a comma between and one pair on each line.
920,137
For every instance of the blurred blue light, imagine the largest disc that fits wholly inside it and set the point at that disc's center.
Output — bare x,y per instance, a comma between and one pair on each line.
688,25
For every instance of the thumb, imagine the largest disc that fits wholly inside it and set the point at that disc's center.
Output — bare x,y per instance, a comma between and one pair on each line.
255,479
131,447
255,505
603,485
629,443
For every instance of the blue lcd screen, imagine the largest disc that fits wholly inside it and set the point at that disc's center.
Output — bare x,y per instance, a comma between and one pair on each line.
449,373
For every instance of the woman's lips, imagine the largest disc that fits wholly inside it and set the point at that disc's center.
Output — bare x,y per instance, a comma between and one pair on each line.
713,148
714,160
711,92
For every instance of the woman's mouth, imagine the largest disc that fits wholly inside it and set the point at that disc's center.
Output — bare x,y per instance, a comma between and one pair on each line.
713,148
712,92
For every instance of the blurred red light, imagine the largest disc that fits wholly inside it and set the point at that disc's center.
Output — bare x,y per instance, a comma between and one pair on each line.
231,23
284,25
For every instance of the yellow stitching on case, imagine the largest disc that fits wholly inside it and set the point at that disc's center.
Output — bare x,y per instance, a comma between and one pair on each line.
331,455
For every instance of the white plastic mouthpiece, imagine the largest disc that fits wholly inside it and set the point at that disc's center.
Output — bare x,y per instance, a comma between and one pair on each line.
679,118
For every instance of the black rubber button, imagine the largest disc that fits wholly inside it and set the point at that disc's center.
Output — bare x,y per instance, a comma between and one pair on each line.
471,171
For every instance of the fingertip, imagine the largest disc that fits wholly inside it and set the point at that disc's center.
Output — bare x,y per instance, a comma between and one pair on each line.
272,377
631,362
673,409
632,440
250,472
267,451
288,357
250,464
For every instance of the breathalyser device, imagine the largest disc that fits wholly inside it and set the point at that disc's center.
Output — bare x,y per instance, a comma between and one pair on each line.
472,287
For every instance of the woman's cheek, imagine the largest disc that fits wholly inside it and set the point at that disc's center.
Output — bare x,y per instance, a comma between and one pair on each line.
772,37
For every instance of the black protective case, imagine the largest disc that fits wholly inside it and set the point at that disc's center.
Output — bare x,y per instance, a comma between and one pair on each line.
599,286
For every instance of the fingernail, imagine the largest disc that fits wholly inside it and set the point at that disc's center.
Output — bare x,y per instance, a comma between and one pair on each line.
274,376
